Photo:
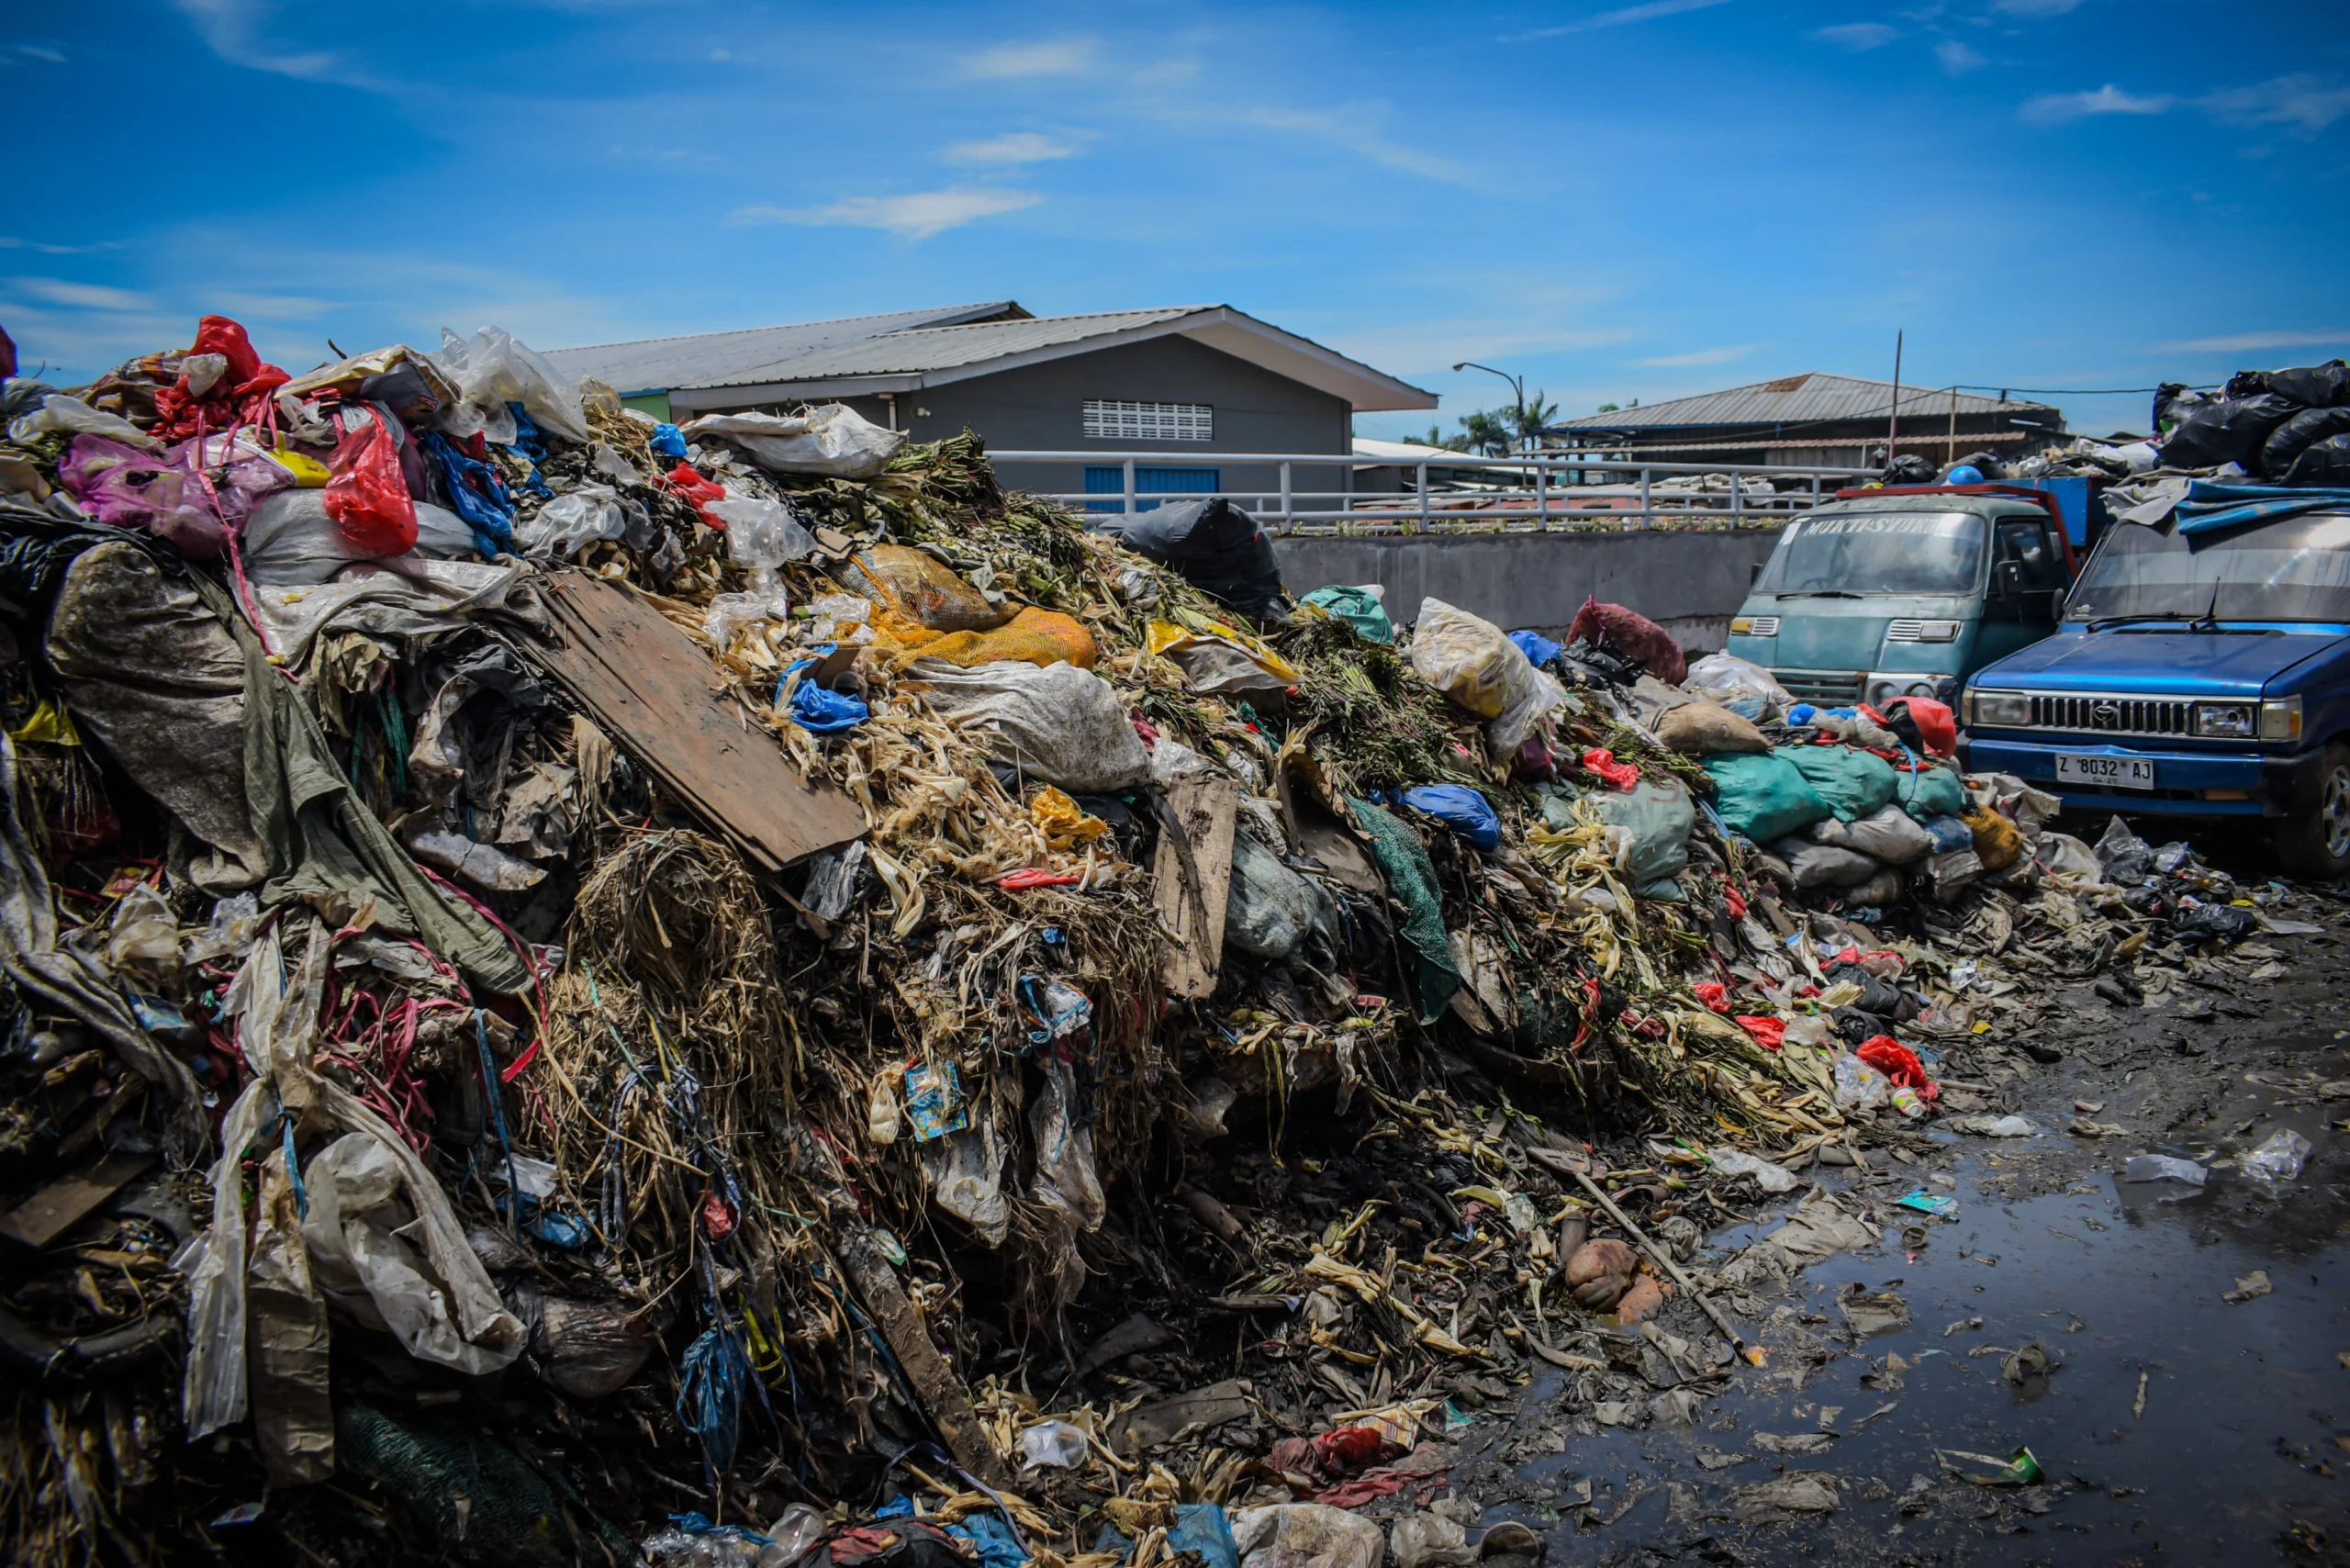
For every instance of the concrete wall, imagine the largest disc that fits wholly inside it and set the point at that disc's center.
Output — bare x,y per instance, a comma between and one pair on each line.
1040,407
1690,583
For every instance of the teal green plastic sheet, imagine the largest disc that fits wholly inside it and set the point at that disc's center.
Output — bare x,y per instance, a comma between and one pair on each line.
1854,783
1411,881
1357,608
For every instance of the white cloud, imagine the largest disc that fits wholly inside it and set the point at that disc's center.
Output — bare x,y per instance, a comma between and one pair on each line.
1701,356
1623,16
2247,342
916,215
227,28
42,51
1013,147
1053,57
2034,8
1350,127
2309,103
2055,108
1857,36
81,295
1957,58
10,242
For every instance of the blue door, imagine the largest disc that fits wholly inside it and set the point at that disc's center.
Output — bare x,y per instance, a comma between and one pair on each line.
1112,481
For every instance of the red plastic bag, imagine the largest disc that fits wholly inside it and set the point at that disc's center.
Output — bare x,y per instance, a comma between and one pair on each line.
1619,775
367,494
1935,725
1769,1033
1634,633
1715,995
1898,1063
685,483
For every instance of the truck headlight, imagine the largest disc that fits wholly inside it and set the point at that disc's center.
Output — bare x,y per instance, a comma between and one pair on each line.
2280,719
1999,710
2227,720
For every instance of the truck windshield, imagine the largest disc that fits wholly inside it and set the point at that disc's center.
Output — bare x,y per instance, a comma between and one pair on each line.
1877,551
2294,568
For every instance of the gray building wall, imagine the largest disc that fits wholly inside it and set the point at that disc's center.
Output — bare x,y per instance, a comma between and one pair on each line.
1690,583
1040,407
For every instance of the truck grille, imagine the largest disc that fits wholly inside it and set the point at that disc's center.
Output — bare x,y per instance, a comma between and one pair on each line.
1763,626
2114,715
1904,631
1833,688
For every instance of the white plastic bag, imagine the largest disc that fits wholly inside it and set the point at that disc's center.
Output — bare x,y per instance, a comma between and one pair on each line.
1471,661
289,539
569,524
1061,724
2279,1159
1859,1086
832,439
761,534
492,370
1726,677
59,412
1771,1176
1054,1445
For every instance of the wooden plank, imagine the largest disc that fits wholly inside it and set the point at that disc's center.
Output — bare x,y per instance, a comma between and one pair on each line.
1193,876
56,1208
652,689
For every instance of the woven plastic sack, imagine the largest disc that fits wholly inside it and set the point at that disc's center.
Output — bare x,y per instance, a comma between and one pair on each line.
919,589
1891,834
1705,728
832,440
1060,724
1471,661
1854,783
1763,797
1633,632
1359,608
1825,865
1927,792
1035,636
1222,661
1655,817
1997,841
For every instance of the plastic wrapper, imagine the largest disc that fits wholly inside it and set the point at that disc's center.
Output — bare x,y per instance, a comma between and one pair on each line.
762,535
2279,1157
1474,663
491,370
1059,724
2163,1167
589,1350
1769,1175
832,440
1222,661
1859,1086
571,522
1306,1534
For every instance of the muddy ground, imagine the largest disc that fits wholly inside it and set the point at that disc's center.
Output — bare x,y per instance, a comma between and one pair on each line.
2175,1426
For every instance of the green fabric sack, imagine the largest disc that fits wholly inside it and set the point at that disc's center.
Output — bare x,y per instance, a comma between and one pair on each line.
1762,796
1854,783
1357,608
1928,792
1657,811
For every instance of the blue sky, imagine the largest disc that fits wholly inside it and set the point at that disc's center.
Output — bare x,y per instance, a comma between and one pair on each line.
1618,200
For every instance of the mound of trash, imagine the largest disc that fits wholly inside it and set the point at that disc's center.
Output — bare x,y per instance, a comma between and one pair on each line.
580,986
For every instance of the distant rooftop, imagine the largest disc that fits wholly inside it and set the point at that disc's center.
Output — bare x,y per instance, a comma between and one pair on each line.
906,351
1814,396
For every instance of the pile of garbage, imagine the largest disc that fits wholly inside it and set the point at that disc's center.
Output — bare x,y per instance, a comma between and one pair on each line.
579,987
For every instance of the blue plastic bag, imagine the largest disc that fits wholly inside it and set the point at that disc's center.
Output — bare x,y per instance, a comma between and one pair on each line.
995,1541
1461,809
1203,1528
1538,650
1802,714
819,711
1950,834
667,442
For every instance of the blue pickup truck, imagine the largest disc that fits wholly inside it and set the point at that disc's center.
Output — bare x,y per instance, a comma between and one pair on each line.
2201,669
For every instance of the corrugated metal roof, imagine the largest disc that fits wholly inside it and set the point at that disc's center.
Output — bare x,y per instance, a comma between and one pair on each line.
912,351
1794,399
754,354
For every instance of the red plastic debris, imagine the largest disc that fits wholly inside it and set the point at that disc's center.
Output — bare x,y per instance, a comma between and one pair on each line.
1898,1063
1769,1033
1619,775
717,1216
1035,876
1736,900
1715,995
685,483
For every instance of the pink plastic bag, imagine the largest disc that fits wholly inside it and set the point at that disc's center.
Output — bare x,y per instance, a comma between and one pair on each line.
367,494
131,488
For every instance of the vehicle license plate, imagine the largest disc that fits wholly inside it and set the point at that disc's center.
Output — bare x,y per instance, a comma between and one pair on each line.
2105,772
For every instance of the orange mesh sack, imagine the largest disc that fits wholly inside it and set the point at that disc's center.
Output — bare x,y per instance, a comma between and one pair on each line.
1040,637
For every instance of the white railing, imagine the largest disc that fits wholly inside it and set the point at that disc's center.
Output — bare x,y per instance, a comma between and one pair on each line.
1538,492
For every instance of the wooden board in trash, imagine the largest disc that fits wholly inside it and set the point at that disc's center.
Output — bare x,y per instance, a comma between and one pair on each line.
652,689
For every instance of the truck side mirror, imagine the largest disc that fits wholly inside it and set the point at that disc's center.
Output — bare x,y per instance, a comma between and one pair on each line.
1754,573
2007,579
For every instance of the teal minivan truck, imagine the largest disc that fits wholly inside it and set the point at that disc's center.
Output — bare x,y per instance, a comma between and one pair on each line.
1882,594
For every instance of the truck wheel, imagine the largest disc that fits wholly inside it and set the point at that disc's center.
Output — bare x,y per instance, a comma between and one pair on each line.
2316,845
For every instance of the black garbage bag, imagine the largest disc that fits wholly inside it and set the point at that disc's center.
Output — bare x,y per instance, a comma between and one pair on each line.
2229,430
1215,545
1987,463
2173,402
2326,463
1911,469
1878,997
2323,386
2213,923
2298,434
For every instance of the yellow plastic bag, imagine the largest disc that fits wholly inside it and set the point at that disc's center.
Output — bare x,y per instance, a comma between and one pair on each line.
1208,638
1065,825
1040,637
47,723
1471,661
1998,844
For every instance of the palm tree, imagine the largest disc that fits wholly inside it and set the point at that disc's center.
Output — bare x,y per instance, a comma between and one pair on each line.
1537,412
1490,433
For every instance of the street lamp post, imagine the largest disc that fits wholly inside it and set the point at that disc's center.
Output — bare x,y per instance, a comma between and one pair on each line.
1516,387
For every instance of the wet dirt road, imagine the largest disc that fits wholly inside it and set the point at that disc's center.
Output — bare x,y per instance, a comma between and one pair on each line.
2174,1425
